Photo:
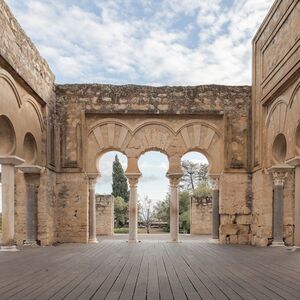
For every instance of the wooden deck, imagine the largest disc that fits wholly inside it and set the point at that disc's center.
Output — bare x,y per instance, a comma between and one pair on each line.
152,269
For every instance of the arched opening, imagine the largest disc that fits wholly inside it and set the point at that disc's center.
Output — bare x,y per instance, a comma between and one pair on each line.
112,195
195,196
30,149
153,194
279,148
7,136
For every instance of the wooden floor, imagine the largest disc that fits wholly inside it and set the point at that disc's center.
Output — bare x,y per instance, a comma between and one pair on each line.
152,269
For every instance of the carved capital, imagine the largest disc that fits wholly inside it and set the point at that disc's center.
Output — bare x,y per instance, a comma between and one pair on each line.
215,183
133,179
174,179
93,180
279,174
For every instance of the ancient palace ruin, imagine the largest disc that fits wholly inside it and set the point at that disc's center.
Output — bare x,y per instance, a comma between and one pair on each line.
52,136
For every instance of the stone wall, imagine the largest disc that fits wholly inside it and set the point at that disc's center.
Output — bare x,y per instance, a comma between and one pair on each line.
201,216
104,214
19,54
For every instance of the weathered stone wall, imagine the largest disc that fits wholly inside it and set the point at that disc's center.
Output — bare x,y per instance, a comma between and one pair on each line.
276,69
201,216
72,207
104,214
19,54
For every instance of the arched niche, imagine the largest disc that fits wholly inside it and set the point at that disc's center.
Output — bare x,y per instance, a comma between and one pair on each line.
30,149
7,136
279,148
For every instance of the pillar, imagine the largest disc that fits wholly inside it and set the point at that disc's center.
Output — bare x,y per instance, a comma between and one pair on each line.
8,201
215,207
133,208
174,180
296,163
92,208
279,175
32,179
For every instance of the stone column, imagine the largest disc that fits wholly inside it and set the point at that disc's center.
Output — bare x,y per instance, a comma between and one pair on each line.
174,180
296,163
279,174
133,208
92,208
8,201
214,179
32,179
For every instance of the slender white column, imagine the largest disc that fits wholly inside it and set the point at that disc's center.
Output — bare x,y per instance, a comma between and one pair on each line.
92,208
279,175
215,208
133,207
8,201
174,180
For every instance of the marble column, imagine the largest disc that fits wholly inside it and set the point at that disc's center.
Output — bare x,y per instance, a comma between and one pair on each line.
133,206
214,180
32,179
8,201
92,208
174,180
279,175
296,163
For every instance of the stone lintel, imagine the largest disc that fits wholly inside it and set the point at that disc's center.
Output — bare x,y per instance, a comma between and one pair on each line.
11,160
30,169
295,161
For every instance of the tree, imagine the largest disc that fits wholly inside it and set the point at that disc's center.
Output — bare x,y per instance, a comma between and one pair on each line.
146,212
119,181
162,210
203,190
184,211
121,212
193,174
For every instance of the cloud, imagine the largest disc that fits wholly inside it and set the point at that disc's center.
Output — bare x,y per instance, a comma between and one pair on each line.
172,42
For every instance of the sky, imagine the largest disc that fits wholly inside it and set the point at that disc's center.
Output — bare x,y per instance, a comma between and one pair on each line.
149,42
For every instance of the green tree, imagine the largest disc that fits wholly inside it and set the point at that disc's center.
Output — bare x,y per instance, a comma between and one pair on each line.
121,212
203,190
119,181
184,211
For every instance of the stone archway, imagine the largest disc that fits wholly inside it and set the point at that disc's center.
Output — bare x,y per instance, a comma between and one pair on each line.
164,135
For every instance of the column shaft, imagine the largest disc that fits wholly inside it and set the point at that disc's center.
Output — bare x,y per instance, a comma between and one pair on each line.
8,190
133,211
92,212
215,214
31,214
174,213
278,214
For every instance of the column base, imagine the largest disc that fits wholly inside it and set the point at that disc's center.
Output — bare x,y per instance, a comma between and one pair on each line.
93,241
175,241
9,249
214,241
277,244
30,243
295,248
132,241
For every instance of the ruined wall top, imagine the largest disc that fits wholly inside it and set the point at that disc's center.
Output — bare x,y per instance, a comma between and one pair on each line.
19,53
97,98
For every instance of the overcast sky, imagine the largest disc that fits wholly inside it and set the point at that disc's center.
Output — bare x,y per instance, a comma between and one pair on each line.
153,42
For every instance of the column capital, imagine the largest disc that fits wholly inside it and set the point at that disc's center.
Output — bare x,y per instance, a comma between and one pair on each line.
30,169
11,160
279,173
93,177
214,180
133,179
174,178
